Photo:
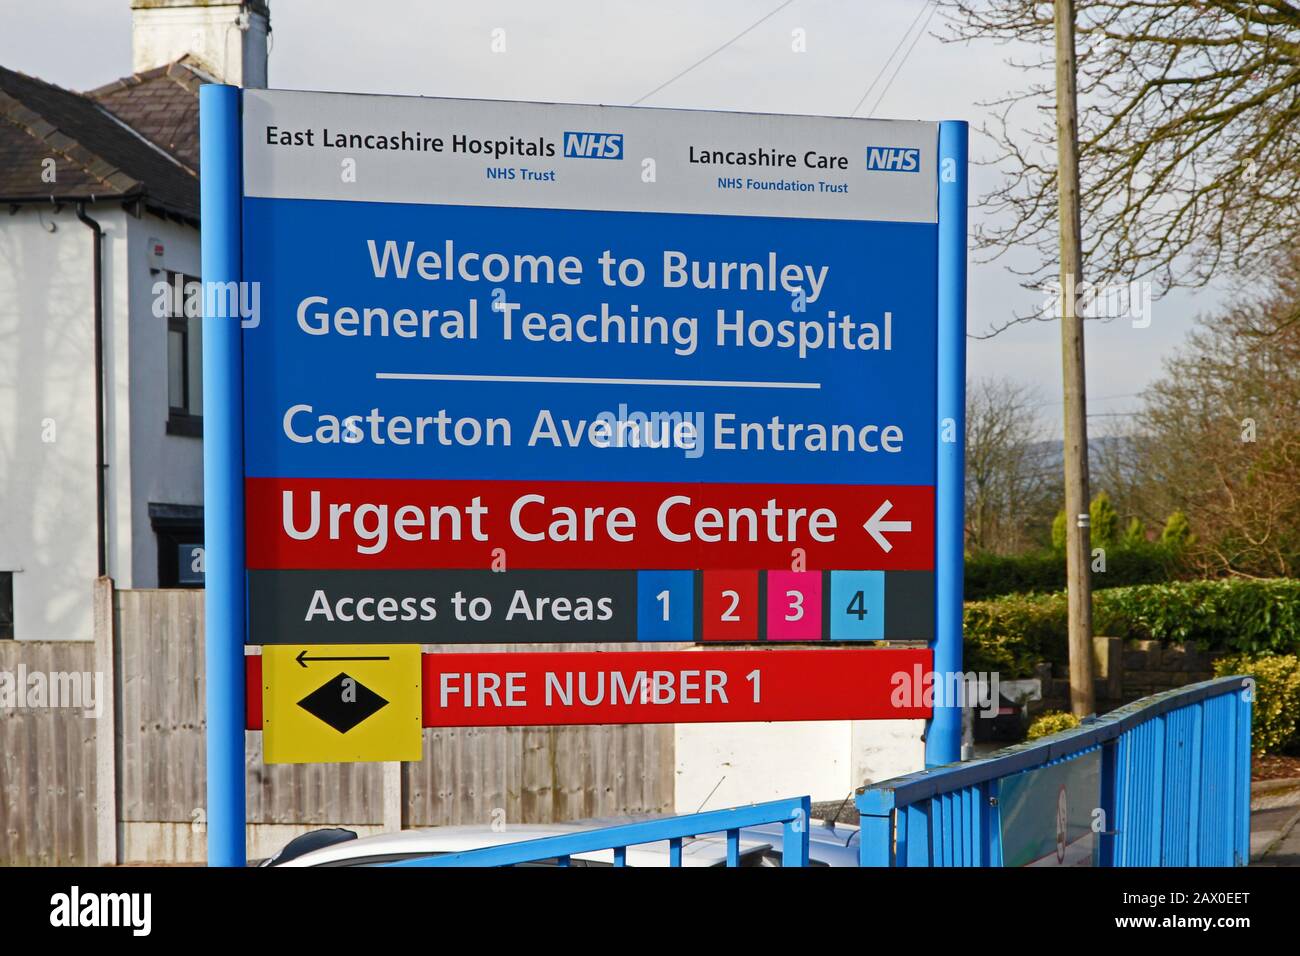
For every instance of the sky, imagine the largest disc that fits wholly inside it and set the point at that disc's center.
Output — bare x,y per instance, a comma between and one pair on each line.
618,51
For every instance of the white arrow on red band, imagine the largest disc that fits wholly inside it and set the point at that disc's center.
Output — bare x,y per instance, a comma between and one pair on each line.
877,523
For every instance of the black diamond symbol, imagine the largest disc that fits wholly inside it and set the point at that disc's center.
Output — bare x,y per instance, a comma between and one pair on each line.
342,703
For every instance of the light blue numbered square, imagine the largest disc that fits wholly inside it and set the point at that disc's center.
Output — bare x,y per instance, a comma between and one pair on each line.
857,611
665,605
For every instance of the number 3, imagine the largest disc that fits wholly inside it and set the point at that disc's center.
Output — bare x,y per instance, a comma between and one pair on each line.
796,606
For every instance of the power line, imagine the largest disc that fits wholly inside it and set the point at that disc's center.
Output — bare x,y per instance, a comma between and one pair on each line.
897,46
710,56
920,33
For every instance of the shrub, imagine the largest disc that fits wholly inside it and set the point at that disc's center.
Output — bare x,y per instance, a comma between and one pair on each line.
1238,615
1104,521
1012,634
1051,722
1275,711
1058,531
1177,532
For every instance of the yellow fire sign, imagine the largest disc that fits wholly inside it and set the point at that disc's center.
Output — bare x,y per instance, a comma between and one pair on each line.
340,703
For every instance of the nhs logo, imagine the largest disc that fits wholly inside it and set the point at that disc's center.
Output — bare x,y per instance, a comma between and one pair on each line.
593,145
894,159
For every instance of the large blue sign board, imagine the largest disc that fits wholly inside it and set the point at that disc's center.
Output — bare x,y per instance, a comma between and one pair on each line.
699,373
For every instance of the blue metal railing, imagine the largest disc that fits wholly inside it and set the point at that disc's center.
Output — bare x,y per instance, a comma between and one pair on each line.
1174,789
793,814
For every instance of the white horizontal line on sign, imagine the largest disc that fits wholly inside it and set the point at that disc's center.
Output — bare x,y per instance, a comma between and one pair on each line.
571,380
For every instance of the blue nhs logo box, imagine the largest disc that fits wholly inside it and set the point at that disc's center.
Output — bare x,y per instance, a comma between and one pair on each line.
895,159
593,145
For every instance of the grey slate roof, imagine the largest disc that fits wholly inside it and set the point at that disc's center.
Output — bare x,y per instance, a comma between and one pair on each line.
98,150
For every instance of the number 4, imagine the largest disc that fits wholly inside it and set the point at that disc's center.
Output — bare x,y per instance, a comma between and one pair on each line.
857,606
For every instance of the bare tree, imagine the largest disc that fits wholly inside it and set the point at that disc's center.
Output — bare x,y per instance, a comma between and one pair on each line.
1219,436
1012,488
1189,136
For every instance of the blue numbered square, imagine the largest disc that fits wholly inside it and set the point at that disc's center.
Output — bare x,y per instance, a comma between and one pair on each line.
665,605
857,611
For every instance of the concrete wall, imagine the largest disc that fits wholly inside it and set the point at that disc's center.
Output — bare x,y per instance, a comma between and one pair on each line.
1126,671
748,762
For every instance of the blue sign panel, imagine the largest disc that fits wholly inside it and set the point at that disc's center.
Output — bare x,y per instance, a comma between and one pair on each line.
527,372
407,341
714,352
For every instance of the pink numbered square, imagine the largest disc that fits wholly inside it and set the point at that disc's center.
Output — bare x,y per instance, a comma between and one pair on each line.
794,605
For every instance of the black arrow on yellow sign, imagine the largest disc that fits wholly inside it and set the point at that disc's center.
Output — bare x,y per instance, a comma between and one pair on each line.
302,658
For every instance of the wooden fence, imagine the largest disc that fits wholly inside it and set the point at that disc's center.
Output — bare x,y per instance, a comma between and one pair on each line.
154,796
47,757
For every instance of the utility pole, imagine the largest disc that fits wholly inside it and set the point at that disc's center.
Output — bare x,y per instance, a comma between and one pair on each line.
1078,551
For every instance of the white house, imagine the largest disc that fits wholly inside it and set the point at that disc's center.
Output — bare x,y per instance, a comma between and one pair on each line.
101,416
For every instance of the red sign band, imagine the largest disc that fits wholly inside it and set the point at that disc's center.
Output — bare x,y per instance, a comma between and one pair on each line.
660,687
386,523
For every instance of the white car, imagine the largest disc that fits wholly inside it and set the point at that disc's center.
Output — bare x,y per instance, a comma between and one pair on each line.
339,847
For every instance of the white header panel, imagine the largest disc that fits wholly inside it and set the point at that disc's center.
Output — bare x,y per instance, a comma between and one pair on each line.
558,156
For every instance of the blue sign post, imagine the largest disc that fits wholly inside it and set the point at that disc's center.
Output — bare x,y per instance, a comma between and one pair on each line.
487,372
223,475
943,736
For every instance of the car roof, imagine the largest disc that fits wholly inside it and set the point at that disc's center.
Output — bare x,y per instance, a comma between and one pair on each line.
835,845
840,834
700,851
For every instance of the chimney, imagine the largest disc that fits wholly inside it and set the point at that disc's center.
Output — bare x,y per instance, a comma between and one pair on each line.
228,36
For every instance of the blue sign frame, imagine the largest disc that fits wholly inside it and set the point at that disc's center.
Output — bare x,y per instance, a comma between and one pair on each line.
226,575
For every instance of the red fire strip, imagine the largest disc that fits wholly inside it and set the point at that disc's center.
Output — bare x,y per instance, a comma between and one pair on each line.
655,687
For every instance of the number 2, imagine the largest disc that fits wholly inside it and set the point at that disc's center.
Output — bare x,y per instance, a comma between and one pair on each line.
730,613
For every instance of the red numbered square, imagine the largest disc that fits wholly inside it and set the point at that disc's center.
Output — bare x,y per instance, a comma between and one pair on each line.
730,606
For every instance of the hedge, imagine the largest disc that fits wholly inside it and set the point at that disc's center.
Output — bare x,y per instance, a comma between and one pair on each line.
1275,705
992,575
1240,616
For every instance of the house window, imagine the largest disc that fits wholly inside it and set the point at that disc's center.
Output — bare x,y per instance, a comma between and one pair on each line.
6,605
179,530
184,356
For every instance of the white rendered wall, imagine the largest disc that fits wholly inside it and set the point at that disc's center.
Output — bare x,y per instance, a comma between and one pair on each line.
162,35
47,410
753,762
47,391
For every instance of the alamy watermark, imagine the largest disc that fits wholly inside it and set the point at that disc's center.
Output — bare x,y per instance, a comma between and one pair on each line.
33,690
918,687
75,908
626,428
1112,300
218,300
